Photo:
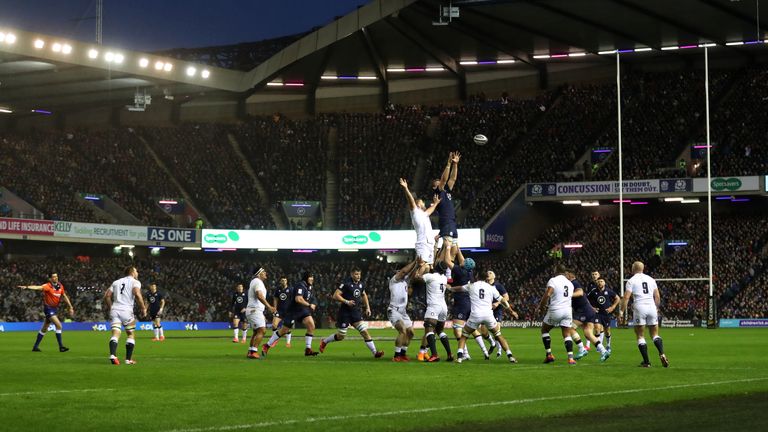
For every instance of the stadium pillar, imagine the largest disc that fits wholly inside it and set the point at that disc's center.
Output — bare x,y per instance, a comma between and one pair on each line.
543,76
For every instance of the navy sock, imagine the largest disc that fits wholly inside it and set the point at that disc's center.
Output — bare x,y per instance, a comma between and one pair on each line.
659,345
129,351
113,347
432,346
58,339
446,344
644,351
547,342
39,339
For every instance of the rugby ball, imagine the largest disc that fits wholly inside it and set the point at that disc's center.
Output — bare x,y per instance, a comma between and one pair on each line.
480,139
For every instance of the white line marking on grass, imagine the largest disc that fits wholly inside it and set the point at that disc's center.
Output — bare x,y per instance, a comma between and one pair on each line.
38,393
450,408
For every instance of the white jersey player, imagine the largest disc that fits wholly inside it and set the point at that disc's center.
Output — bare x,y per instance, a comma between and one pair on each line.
645,301
254,311
436,314
425,243
482,296
557,298
120,298
397,313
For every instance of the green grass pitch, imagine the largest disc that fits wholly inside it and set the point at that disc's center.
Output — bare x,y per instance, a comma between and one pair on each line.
201,381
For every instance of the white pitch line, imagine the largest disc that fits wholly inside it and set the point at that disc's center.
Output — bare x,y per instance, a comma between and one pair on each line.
55,392
450,408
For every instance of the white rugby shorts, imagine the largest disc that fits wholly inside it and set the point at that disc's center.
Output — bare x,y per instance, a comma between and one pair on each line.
645,315
436,312
559,318
396,315
255,318
121,318
475,321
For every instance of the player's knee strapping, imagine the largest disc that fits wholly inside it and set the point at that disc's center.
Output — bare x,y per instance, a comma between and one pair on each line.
465,334
497,333
362,326
457,326
342,331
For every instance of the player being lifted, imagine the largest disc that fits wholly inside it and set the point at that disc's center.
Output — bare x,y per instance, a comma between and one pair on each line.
483,295
281,302
239,322
120,298
425,244
302,305
557,298
156,301
645,295
352,296
397,313
53,292
443,188
257,302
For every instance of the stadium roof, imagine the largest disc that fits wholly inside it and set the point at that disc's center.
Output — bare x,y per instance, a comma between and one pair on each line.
386,41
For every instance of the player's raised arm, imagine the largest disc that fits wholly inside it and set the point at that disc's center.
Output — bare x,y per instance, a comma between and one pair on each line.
433,207
408,194
403,272
446,172
31,287
454,162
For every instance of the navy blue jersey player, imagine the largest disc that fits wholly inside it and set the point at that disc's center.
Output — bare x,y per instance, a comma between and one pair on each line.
584,316
605,300
461,274
281,302
156,301
443,188
237,313
302,304
352,298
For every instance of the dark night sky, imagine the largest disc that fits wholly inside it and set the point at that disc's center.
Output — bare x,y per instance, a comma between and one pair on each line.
151,25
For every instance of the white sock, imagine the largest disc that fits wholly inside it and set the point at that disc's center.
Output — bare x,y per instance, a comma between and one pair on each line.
272,339
288,337
492,339
237,332
600,348
329,339
162,334
600,338
308,341
479,340
581,345
588,344
371,346
245,334
157,333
